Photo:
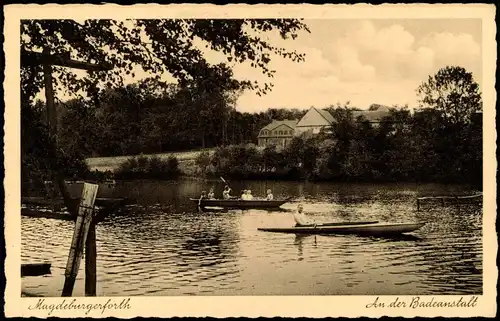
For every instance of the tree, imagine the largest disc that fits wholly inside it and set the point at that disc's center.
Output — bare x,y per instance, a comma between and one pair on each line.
453,91
158,46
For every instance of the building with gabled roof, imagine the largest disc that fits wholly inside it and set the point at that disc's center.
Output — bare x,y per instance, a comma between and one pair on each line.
278,133
314,121
373,115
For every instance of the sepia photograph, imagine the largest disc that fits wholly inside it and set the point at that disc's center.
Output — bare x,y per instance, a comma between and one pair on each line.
263,156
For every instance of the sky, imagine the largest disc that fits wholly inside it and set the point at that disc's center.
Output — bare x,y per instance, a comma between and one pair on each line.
367,61
380,61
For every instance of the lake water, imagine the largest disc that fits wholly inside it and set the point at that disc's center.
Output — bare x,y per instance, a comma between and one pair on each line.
164,246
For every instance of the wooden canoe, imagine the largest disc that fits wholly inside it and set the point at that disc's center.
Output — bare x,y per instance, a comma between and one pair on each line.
342,223
368,229
240,204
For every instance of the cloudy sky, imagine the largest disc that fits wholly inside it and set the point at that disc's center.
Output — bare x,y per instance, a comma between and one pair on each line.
366,61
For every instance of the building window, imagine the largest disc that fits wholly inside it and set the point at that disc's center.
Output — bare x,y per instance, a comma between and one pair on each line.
281,132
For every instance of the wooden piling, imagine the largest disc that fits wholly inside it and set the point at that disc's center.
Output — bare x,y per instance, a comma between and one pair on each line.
91,262
82,226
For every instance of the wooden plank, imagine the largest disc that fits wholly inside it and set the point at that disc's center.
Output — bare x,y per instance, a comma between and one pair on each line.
83,220
35,269
31,58
52,215
450,197
99,201
467,199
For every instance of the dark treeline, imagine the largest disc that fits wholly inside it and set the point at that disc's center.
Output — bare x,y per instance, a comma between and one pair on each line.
421,147
133,120
136,120
440,143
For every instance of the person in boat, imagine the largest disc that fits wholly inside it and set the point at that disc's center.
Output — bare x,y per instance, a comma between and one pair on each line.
202,196
244,195
269,196
211,194
249,195
226,194
300,219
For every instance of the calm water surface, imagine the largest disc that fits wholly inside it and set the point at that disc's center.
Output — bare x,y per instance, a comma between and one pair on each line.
164,246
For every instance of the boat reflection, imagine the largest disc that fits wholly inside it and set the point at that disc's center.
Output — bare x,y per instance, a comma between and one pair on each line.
390,237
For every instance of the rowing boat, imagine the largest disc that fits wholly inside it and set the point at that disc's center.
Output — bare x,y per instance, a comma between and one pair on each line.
240,204
369,229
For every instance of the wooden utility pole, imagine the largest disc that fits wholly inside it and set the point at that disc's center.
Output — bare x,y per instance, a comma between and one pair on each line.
47,60
49,97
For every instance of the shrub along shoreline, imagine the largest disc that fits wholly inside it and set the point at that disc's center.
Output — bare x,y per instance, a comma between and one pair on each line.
406,148
143,167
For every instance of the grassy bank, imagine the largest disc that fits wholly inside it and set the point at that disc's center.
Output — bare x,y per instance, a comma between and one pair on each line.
186,160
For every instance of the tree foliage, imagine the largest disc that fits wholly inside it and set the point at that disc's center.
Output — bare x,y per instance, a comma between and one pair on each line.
422,147
134,120
453,91
120,119
157,46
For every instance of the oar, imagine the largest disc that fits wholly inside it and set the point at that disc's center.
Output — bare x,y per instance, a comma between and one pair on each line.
222,178
225,182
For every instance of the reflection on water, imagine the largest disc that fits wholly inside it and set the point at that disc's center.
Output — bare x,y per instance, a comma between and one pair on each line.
165,246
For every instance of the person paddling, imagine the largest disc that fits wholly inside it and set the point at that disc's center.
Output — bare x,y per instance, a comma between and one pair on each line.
226,194
202,196
270,196
300,219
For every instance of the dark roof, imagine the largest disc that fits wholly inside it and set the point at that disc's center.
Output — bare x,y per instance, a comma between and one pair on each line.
373,116
276,123
326,114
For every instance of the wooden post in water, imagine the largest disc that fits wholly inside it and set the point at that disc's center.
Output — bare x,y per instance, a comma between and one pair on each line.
82,226
91,262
